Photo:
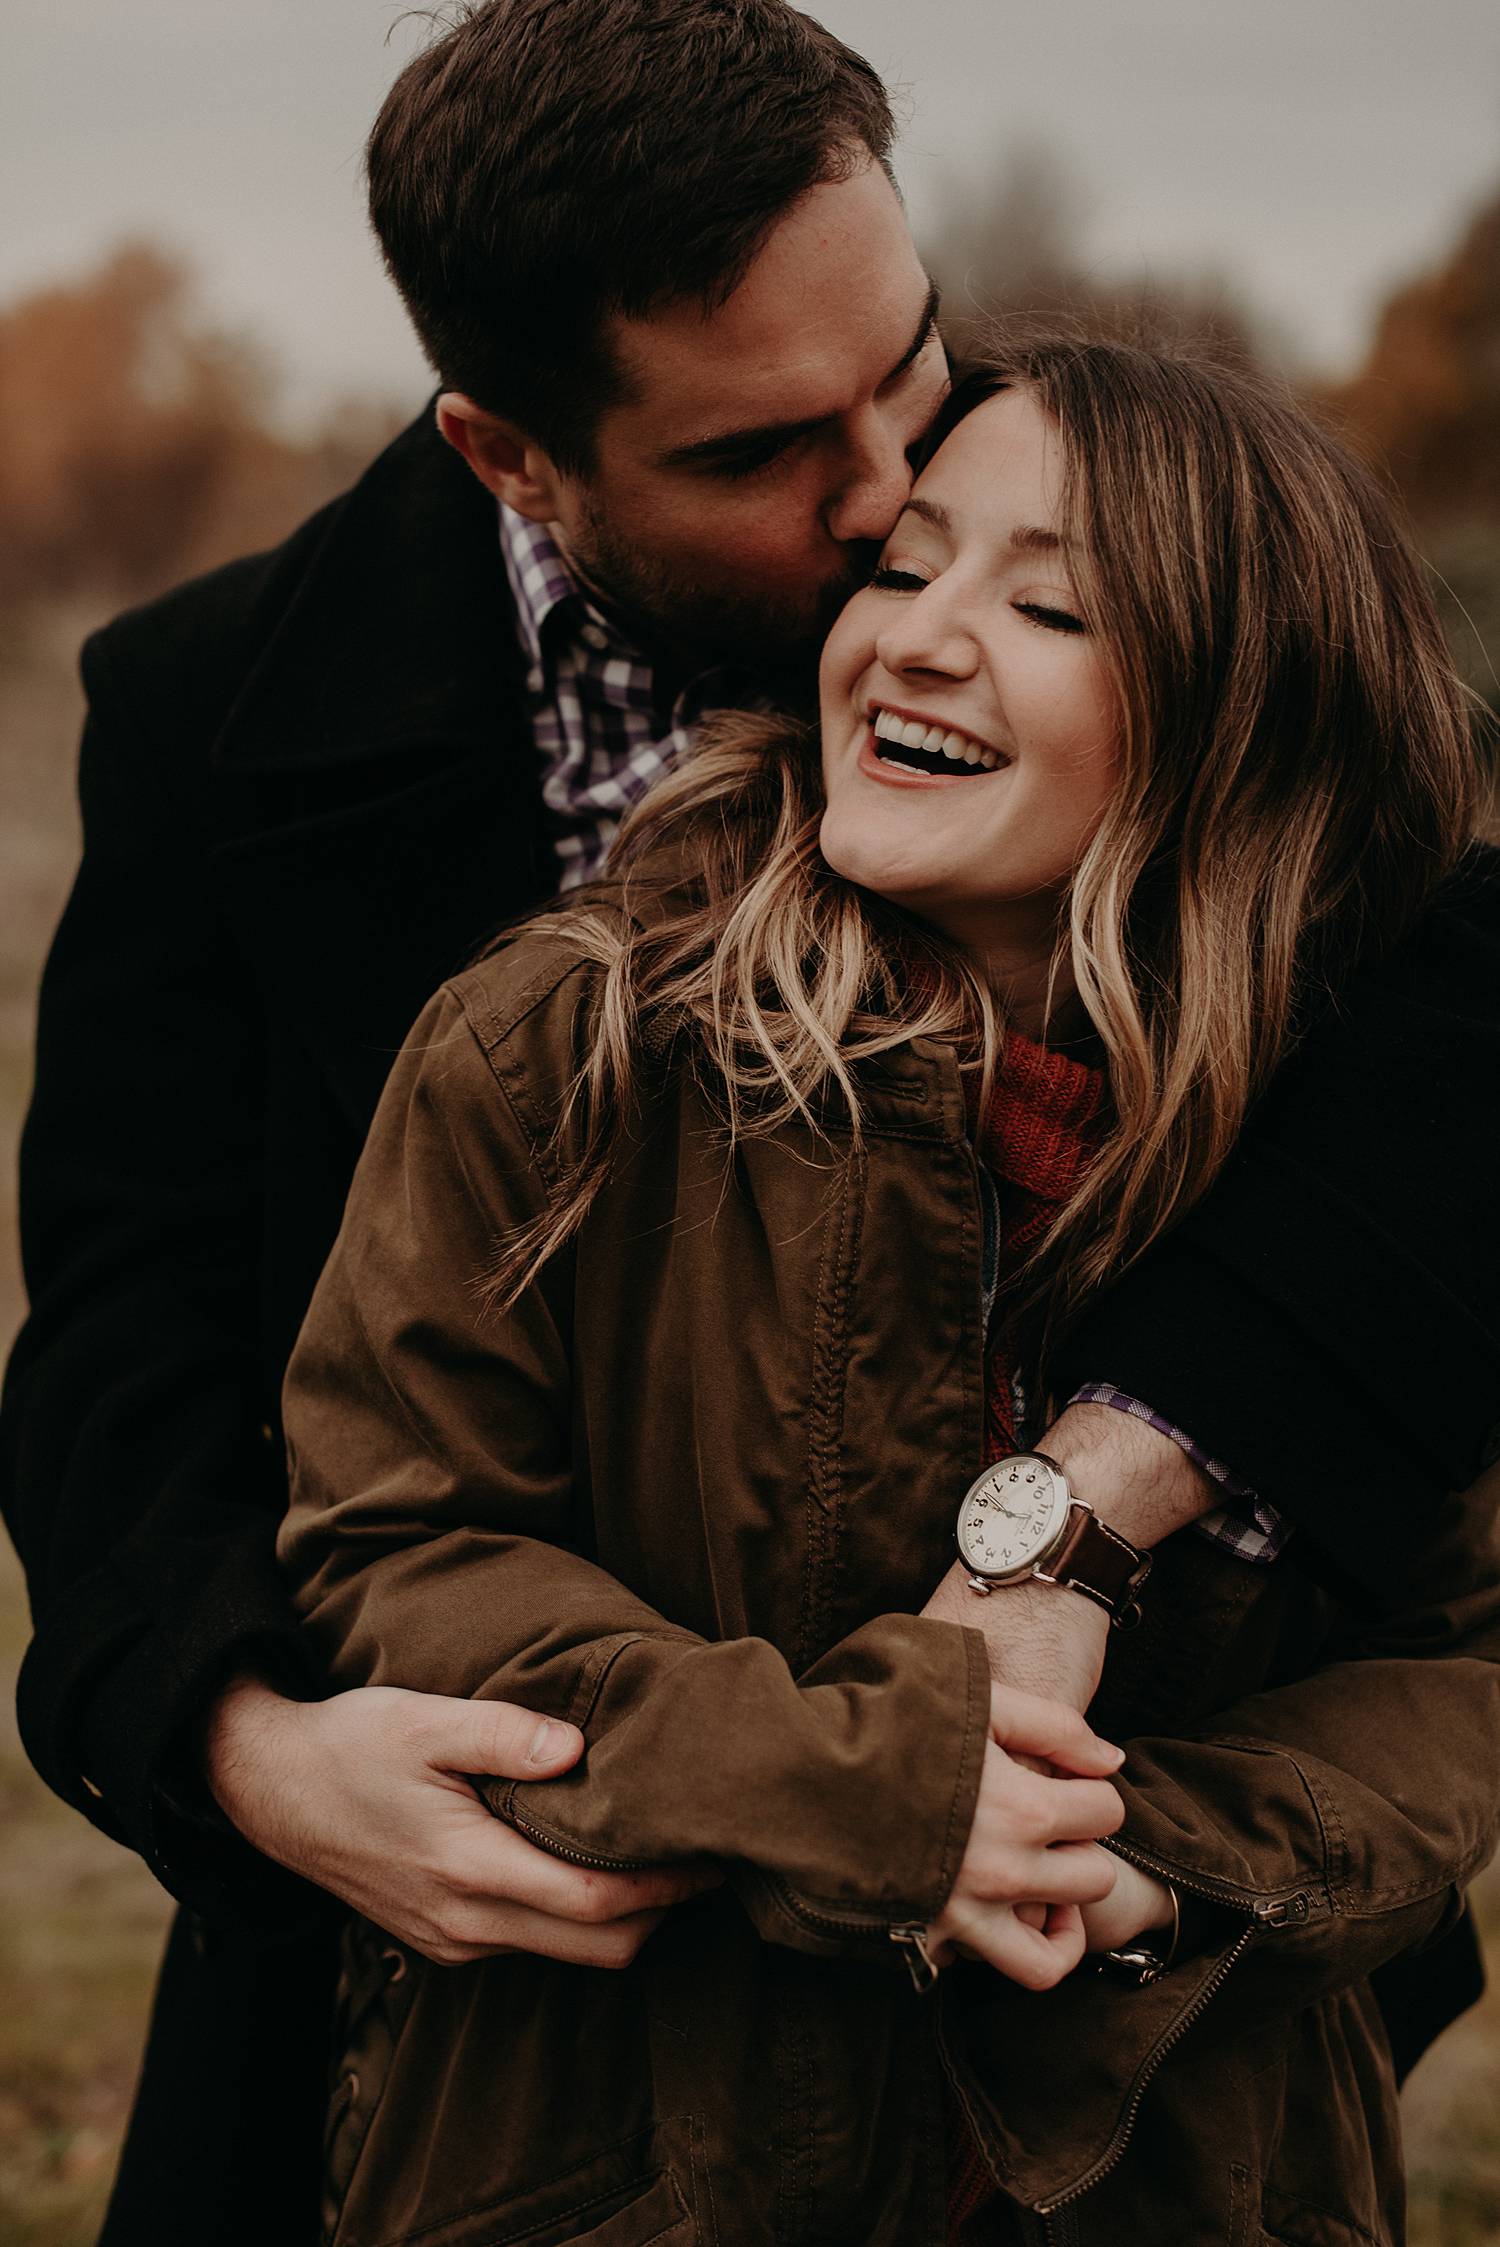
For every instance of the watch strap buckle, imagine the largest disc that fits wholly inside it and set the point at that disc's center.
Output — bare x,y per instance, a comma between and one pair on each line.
1115,1569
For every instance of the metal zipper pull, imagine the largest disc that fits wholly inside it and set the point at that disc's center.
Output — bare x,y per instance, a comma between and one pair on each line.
1287,1911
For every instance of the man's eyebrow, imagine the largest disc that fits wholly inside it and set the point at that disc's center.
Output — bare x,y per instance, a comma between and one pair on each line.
926,328
770,436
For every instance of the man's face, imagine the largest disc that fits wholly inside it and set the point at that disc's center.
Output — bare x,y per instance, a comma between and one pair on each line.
765,440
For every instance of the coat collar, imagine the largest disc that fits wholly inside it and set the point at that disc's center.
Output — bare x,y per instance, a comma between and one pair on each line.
392,622
378,796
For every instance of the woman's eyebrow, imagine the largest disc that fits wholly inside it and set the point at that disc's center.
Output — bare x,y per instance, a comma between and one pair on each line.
929,512
1027,538
1035,538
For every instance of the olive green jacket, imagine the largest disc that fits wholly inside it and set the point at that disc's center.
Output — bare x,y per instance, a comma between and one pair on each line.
687,1494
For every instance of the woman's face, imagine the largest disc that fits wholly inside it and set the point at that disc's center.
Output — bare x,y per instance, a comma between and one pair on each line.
969,641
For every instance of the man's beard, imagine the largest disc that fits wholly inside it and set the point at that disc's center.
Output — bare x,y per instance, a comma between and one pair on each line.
755,631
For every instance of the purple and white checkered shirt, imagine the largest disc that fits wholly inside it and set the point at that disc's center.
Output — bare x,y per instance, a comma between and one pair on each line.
596,718
1249,1527
592,700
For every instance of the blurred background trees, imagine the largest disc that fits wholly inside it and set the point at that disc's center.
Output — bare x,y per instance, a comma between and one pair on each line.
139,444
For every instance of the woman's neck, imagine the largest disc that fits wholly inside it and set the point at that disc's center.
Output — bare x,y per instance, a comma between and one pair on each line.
1037,995
1021,951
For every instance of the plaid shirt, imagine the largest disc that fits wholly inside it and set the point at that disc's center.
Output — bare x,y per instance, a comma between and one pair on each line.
593,702
603,735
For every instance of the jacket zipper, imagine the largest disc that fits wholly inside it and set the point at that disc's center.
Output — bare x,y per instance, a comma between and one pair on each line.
827,1922
831,1923
571,1856
1287,1910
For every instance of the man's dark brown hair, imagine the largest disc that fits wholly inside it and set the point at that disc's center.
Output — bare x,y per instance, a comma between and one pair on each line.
546,163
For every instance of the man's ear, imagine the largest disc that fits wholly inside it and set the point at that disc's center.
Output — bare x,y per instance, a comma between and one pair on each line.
507,462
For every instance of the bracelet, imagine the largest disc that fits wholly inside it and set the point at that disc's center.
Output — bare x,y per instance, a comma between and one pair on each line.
1137,1964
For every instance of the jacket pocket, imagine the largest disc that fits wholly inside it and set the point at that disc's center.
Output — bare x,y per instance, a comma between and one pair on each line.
607,2202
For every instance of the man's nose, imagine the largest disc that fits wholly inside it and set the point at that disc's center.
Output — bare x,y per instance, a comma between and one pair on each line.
877,478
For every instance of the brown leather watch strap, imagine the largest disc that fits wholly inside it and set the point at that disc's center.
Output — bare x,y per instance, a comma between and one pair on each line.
1097,1561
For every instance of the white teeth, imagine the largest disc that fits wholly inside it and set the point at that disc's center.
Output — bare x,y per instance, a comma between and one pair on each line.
910,733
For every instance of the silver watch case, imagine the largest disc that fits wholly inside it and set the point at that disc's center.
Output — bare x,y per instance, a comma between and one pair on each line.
1013,1517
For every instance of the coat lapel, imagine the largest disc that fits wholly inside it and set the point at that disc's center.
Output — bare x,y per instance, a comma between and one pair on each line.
376,786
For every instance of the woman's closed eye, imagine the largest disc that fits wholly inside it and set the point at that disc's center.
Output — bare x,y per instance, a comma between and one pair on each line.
888,577
1051,618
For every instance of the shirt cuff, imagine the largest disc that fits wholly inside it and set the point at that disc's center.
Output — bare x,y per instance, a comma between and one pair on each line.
1248,1527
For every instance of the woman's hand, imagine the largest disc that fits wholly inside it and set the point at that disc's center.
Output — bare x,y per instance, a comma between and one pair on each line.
1031,1844
1136,1905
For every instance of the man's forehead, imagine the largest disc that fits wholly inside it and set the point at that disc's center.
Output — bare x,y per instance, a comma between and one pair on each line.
828,311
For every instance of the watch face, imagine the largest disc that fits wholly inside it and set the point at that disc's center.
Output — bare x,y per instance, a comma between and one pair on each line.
1011,1516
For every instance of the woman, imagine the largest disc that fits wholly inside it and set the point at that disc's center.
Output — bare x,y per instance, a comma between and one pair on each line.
655,1357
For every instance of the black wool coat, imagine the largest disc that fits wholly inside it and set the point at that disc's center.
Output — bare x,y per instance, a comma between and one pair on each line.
309,795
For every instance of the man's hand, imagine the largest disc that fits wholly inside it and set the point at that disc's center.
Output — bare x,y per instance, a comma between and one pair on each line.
1031,1844
1050,1641
366,1795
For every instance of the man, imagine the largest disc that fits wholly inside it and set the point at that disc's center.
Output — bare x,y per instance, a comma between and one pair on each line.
653,249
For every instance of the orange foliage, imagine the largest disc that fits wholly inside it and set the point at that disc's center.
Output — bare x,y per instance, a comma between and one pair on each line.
1427,401
136,444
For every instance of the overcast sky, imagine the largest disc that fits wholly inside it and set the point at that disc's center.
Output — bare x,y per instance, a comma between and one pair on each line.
1314,150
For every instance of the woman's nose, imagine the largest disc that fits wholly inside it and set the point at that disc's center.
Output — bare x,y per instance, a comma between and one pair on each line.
926,631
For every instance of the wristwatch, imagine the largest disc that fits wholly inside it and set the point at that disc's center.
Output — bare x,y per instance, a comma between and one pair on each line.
1020,1520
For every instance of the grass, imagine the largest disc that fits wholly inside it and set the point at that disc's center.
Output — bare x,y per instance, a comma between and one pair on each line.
81,1927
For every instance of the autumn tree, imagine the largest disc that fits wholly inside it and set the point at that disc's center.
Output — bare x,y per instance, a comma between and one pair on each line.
137,442
1008,248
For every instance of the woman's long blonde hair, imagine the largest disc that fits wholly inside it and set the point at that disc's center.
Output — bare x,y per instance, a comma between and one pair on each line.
1297,776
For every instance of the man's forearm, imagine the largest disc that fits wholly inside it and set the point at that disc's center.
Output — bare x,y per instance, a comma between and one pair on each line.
1047,1639
1140,1481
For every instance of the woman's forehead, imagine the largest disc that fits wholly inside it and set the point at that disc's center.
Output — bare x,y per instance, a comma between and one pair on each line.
999,474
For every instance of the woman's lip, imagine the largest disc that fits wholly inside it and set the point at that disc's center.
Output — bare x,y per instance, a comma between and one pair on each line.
905,776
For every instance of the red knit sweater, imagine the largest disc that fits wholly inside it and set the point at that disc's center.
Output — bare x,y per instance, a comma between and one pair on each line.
1042,1126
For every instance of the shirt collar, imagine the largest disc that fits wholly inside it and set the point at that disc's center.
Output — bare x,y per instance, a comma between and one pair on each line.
541,583
550,604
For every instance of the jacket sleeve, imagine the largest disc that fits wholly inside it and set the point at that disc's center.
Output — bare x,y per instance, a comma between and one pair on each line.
438,1541
140,1485
1327,1320
1329,1824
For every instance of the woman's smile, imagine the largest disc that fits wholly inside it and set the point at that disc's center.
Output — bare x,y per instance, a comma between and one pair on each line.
908,743
970,733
